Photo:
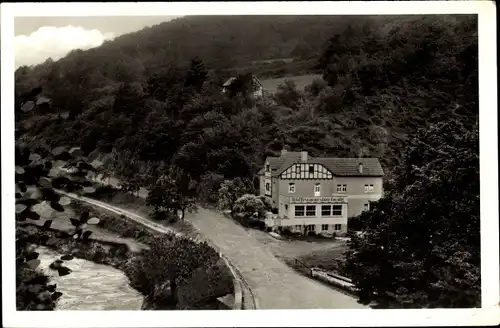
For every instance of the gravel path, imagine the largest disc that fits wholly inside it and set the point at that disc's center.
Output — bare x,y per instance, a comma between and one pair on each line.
274,284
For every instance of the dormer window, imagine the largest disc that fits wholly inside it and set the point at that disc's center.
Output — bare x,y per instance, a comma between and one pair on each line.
268,167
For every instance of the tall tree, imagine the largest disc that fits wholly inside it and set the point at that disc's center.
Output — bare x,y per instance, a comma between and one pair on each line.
196,74
420,245
175,192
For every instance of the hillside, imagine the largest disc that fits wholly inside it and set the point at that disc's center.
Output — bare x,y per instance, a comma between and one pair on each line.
402,89
384,78
223,42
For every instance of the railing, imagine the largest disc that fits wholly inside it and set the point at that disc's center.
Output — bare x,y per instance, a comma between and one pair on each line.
339,282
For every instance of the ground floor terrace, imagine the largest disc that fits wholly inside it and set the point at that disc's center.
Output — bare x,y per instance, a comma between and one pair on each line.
312,214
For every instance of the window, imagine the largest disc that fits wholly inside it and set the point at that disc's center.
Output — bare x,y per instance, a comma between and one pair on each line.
311,169
326,210
366,188
299,210
268,186
370,188
367,207
324,227
297,168
311,210
317,190
267,168
309,227
291,188
339,188
344,188
337,210
337,227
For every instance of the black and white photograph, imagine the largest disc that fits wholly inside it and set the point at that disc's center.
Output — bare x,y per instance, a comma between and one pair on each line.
168,159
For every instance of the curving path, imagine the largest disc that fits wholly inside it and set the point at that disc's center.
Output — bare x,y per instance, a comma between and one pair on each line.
274,284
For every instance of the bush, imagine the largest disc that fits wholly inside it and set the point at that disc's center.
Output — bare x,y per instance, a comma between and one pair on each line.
355,223
266,201
248,205
286,231
257,224
105,192
274,211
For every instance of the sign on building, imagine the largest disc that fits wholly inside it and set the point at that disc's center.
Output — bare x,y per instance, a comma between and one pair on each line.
317,200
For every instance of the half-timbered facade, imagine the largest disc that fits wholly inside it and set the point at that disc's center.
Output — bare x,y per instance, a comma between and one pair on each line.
319,194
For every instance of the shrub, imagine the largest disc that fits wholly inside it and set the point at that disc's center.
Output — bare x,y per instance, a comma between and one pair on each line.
286,231
105,192
355,223
248,205
266,201
274,211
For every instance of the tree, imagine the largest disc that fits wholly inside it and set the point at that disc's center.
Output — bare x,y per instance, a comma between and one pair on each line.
172,260
208,187
231,190
175,192
420,245
196,74
287,95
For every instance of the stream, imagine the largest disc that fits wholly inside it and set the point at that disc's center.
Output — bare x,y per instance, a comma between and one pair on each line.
90,286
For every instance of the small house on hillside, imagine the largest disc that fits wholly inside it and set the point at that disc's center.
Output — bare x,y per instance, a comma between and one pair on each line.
257,87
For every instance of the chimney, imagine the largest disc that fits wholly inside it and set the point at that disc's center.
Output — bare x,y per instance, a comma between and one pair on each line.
303,156
360,167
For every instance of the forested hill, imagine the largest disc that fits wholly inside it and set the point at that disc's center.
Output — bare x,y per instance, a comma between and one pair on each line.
146,98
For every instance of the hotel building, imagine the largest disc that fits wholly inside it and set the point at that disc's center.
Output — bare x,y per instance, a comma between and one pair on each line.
319,194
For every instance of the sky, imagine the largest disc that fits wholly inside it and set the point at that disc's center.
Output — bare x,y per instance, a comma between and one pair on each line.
40,38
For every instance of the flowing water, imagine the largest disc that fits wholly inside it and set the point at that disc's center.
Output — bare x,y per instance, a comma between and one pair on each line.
90,286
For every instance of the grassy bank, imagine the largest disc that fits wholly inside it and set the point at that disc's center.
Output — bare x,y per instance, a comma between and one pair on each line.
328,259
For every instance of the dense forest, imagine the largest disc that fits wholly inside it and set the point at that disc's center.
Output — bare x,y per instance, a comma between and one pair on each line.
383,79
403,89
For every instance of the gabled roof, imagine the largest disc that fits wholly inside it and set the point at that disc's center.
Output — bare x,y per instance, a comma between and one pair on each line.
277,162
339,166
232,79
349,166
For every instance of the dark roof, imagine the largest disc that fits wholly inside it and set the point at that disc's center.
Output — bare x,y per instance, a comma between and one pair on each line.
232,79
277,162
338,166
349,166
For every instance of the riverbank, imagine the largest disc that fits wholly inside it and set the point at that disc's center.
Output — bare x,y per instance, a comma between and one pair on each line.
135,237
99,261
